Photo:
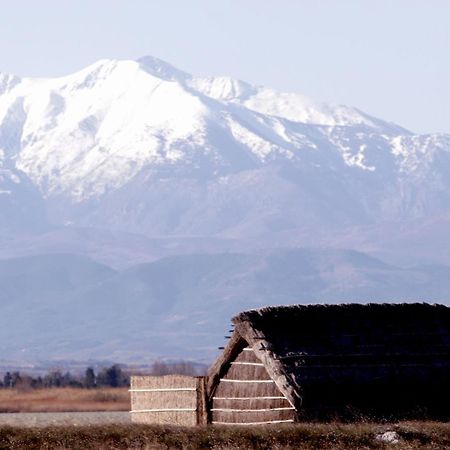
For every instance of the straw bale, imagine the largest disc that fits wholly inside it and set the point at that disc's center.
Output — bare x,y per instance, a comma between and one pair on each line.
166,418
247,390
180,396
254,416
157,400
165,381
250,403
247,372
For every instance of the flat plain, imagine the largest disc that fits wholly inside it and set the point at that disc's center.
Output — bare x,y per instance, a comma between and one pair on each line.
64,400
71,418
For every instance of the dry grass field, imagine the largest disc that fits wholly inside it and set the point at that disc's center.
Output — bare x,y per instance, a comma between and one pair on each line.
333,436
64,400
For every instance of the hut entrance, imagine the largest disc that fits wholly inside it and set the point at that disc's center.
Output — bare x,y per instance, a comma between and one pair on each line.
247,395
170,399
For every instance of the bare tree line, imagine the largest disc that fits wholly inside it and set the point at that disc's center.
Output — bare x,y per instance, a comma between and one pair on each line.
113,376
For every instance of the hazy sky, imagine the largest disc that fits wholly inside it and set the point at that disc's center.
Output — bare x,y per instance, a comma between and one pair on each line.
390,58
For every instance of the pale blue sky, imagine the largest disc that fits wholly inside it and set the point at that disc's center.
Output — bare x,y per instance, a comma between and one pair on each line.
390,58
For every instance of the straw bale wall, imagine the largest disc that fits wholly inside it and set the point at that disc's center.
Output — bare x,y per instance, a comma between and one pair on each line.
170,399
166,418
164,381
247,395
275,401
261,417
228,390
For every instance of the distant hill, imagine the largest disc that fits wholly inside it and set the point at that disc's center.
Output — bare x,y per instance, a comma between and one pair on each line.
68,307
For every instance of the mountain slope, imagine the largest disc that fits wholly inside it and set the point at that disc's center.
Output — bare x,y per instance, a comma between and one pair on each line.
22,209
66,307
143,147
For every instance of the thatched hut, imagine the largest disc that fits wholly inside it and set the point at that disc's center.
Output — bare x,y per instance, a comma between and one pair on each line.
350,361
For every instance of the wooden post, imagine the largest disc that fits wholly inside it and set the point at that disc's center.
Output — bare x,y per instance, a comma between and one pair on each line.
202,413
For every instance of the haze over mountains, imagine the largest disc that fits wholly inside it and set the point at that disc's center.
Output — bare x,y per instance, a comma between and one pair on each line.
66,307
128,162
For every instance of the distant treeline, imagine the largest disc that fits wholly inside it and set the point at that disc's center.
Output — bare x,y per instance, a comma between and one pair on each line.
113,376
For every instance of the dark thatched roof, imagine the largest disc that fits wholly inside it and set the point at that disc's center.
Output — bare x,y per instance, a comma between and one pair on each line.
289,338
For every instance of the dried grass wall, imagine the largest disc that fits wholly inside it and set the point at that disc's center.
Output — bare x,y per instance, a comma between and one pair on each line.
247,395
170,399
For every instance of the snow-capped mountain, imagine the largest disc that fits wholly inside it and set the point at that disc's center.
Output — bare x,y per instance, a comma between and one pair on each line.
197,194
143,147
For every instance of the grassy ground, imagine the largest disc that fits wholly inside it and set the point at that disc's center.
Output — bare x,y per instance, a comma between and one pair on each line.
410,435
64,399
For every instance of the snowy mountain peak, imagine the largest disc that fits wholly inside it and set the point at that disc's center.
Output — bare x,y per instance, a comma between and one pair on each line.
139,139
119,72
162,69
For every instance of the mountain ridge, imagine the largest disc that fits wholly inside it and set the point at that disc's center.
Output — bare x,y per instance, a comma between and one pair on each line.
60,307
143,147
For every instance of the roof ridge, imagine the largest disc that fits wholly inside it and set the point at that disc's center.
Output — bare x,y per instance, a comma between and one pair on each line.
246,315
